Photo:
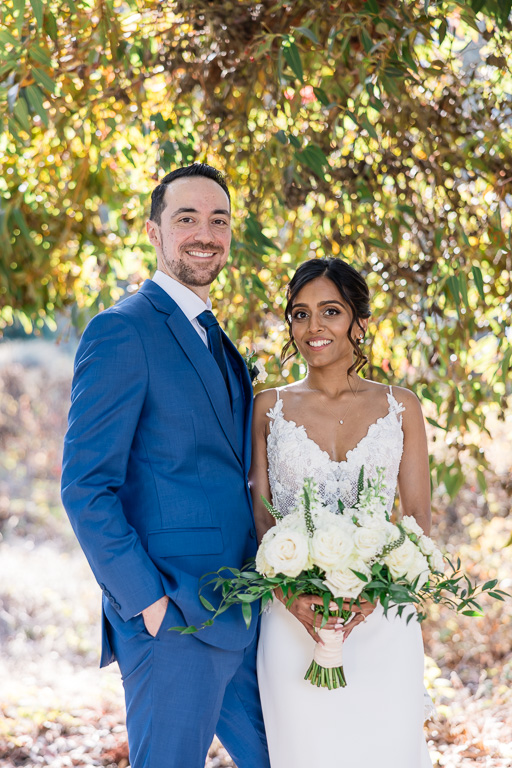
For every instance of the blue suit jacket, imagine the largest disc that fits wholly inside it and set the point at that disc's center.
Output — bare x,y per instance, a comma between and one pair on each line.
155,464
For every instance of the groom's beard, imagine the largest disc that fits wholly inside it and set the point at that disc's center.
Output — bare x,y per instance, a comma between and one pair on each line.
195,273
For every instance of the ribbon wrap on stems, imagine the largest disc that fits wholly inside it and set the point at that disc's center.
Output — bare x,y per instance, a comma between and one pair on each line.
326,669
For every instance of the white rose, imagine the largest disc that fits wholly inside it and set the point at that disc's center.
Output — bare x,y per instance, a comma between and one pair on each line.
369,541
345,583
410,525
332,543
262,566
288,552
406,562
426,545
436,561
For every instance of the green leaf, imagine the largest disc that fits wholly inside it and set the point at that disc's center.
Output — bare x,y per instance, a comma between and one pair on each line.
472,613
19,5
372,7
38,8
443,29
479,282
369,127
35,98
51,26
366,41
21,113
453,286
43,79
477,5
247,614
322,97
281,137
307,33
206,603
8,39
463,289
314,158
359,575
292,57
40,56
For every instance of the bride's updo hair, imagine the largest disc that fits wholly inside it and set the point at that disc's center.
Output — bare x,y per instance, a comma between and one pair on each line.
353,289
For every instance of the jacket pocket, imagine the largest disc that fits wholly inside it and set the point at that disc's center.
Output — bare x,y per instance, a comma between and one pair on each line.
179,542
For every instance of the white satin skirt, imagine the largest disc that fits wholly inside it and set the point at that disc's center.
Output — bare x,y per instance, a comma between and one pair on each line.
375,722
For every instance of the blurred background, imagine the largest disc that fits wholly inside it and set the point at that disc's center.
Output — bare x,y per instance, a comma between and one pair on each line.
372,131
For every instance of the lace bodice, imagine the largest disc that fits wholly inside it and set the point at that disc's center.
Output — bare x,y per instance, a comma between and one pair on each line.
293,456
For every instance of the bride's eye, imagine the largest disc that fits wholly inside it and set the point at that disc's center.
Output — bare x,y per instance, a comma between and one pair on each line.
299,315
332,311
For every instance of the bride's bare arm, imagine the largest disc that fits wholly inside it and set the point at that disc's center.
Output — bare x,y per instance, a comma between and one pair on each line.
258,475
414,475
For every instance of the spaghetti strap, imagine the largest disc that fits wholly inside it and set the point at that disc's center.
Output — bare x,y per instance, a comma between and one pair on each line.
277,410
390,390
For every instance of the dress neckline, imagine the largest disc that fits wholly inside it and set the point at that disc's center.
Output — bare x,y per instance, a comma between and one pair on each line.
394,408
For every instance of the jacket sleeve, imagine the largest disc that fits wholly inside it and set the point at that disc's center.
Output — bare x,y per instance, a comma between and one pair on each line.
108,393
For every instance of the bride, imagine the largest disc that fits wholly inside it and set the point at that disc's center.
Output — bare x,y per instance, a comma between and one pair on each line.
326,427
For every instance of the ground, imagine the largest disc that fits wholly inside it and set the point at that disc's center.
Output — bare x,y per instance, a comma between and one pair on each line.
59,709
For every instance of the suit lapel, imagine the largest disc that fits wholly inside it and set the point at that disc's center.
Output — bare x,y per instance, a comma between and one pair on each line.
199,356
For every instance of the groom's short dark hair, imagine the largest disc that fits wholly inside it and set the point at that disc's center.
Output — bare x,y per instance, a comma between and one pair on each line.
196,169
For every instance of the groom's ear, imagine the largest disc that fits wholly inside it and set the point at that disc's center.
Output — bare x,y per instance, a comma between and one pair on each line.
153,232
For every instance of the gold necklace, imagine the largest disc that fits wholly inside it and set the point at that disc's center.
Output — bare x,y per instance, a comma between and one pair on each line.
348,407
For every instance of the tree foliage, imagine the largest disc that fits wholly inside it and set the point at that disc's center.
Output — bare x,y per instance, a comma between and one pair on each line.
378,131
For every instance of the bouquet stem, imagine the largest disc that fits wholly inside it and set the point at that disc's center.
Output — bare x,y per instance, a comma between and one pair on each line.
326,669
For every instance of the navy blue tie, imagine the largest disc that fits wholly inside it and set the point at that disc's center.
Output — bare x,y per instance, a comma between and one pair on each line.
208,321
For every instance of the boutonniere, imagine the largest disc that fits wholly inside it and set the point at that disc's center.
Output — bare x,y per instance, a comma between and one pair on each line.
256,367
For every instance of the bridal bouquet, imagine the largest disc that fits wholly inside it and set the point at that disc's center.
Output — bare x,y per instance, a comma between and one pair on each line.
345,557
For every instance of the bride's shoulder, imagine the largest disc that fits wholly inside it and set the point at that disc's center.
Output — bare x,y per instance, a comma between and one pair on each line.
264,401
402,395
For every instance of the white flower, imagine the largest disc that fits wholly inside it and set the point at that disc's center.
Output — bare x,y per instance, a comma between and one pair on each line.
410,525
407,562
261,375
345,583
261,563
332,542
436,561
287,552
369,541
426,545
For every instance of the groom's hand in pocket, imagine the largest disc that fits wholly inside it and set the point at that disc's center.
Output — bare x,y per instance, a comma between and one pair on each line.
154,614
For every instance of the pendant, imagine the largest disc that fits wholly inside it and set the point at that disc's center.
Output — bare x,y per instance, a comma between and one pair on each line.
341,421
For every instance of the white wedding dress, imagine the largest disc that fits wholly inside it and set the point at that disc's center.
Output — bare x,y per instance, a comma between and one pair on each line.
377,720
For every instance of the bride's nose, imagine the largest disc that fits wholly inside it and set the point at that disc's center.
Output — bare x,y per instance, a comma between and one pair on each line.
316,323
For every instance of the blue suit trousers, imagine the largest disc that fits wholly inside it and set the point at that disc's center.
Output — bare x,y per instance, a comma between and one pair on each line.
168,729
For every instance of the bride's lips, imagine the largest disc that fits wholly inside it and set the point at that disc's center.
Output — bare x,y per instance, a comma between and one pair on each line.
319,343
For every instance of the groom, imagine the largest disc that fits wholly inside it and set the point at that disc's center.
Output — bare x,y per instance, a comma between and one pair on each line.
155,485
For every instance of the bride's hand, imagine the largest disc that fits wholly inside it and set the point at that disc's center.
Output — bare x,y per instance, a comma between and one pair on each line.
361,613
302,609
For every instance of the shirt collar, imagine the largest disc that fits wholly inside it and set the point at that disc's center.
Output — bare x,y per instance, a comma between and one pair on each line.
188,301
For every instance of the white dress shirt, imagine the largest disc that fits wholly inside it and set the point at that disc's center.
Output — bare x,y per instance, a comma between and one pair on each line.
188,301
